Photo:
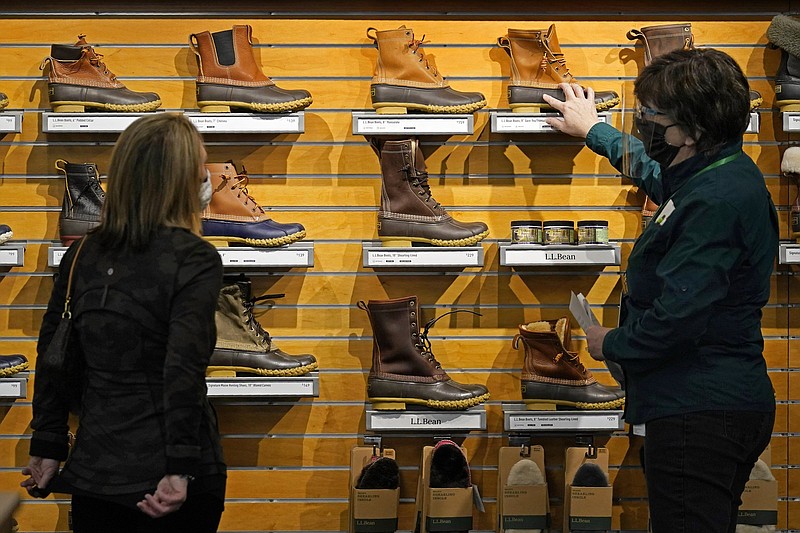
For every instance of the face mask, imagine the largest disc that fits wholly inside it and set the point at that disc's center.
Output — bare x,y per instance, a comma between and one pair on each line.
655,145
205,191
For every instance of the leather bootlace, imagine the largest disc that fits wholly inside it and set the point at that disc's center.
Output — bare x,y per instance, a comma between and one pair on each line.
254,324
424,344
242,179
414,45
420,179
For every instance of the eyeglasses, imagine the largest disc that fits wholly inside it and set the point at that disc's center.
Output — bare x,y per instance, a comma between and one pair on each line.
642,111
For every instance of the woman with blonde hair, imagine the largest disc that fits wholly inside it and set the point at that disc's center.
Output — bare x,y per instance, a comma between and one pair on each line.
147,454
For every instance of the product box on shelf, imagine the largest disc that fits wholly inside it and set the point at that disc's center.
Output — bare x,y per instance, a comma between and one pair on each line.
586,508
441,509
522,498
760,497
371,510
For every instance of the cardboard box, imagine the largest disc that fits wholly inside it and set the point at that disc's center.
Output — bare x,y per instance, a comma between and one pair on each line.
371,510
438,509
760,499
521,506
586,508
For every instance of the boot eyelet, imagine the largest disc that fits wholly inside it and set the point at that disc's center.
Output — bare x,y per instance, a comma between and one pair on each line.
413,314
411,303
413,324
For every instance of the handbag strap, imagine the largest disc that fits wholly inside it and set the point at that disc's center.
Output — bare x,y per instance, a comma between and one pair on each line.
67,312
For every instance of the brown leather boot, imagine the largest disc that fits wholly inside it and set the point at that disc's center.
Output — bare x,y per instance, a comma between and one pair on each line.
83,200
235,216
3,101
242,344
78,79
404,370
648,211
229,76
537,67
408,212
406,79
552,374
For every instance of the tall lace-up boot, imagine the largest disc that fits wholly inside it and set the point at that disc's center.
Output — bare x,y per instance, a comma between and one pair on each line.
83,200
408,212
235,216
554,375
3,101
79,80
229,76
404,369
784,33
537,67
242,344
406,79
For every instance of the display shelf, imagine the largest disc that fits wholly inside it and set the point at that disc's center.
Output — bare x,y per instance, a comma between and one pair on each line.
415,420
789,253
561,255
510,122
791,121
10,122
248,122
754,126
371,123
518,418
12,255
375,255
306,386
299,254
88,122
14,387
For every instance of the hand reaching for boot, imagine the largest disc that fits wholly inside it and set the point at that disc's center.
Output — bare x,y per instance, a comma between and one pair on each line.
578,110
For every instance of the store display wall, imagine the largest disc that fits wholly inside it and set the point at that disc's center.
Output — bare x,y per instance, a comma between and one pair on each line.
289,460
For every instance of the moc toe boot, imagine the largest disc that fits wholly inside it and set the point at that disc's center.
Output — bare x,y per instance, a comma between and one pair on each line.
79,80
242,343
537,67
229,76
552,374
404,370
11,364
408,212
233,216
83,200
5,233
406,79
3,101
782,33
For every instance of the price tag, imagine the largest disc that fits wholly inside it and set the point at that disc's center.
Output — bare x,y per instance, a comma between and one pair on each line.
508,122
10,256
261,387
12,388
300,255
87,122
422,257
575,421
248,122
373,123
10,122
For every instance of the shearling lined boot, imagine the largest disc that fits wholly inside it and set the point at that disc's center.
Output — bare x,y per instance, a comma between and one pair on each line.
12,364
537,67
404,369
408,212
3,101
406,79
242,343
79,80
552,374
784,33
83,200
235,216
229,76
6,234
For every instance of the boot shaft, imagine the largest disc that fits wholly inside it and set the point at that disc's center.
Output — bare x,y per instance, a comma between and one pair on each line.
536,57
230,199
226,57
404,187
83,194
401,60
237,328
79,64
663,39
547,352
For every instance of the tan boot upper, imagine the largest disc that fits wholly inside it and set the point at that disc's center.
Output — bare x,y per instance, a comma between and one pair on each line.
89,70
244,72
536,58
230,199
401,60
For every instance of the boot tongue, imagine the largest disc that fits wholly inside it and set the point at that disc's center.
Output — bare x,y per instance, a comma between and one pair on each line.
551,39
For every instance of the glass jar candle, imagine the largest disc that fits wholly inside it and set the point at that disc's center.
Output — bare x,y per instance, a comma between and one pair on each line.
593,232
526,232
558,232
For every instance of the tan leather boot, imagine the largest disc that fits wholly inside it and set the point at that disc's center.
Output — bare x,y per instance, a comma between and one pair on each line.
229,76
404,369
552,374
3,101
79,80
537,67
235,216
408,213
406,79
242,344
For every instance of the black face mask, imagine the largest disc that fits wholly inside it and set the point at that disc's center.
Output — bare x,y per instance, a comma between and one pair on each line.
655,145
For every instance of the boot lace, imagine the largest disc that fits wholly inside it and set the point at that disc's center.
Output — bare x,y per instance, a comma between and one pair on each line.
414,46
420,179
96,60
252,323
572,358
424,344
242,179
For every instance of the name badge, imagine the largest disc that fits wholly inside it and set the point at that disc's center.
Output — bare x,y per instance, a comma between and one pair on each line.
668,209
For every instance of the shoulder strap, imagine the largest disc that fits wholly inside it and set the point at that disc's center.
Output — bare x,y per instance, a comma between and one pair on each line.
67,313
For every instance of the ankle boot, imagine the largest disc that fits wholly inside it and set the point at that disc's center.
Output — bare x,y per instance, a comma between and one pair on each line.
235,216
537,67
229,76
552,374
78,80
242,344
12,364
404,370
648,211
3,101
783,33
83,200
405,79
5,233
408,211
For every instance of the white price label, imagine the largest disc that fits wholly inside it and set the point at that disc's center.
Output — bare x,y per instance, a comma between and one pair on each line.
8,123
9,257
565,422
265,387
11,389
411,124
413,257
793,255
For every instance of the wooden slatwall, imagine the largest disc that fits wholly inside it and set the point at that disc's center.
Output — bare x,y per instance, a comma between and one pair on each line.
288,460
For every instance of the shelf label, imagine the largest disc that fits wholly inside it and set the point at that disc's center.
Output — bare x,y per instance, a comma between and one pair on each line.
245,387
755,123
528,123
373,123
425,421
88,123
247,122
9,256
792,254
419,257
257,257
520,255
561,422
791,121
9,123
13,388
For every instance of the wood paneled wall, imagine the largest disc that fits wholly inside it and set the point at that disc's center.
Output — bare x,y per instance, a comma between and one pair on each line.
288,460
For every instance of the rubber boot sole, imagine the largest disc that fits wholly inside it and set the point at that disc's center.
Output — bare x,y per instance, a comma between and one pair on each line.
401,108
211,106
80,107
399,404
549,405
398,240
264,243
285,372
6,372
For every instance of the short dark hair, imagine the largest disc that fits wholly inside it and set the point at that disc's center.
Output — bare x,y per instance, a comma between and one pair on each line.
703,90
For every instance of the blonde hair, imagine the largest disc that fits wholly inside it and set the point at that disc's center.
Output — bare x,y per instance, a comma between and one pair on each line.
153,181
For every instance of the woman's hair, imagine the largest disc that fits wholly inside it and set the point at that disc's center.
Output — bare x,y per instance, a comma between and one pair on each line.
703,90
153,181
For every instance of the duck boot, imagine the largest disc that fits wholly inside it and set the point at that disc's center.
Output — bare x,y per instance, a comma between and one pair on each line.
552,375
537,67
233,216
229,76
79,80
3,101
11,364
408,212
5,233
404,370
406,79
784,33
83,200
242,343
